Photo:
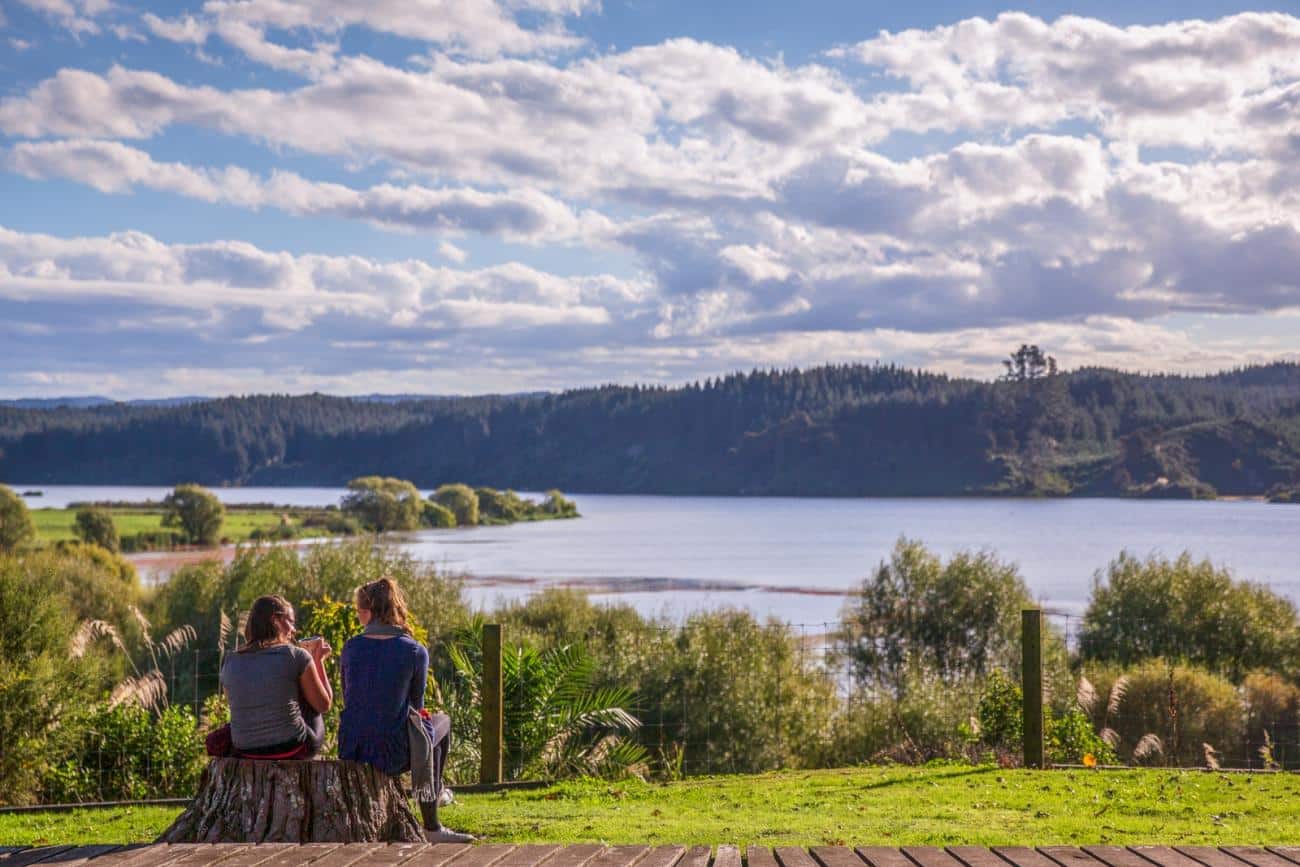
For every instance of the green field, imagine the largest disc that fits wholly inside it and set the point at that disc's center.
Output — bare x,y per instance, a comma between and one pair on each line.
895,806
53,525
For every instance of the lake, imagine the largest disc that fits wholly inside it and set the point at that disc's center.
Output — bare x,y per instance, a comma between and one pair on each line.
795,558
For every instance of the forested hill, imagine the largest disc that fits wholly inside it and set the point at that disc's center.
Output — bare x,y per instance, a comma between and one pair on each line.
838,430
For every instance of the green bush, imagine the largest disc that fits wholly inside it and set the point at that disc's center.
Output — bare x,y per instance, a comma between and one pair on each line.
1070,739
95,526
557,505
1183,706
1000,714
41,681
1190,611
461,500
500,507
197,512
15,522
127,753
152,540
958,619
437,516
1272,719
927,719
383,504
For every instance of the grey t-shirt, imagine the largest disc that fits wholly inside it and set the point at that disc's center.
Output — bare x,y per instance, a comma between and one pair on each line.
262,686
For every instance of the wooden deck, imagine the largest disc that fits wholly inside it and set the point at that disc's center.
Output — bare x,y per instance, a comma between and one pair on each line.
502,855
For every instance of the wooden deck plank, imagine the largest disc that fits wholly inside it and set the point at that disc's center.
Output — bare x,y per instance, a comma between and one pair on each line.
528,855
482,856
1209,856
31,856
1069,856
1257,856
1164,856
1116,856
883,856
292,855
696,856
209,854
569,856
931,856
620,856
1291,853
438,854
836,856
760,856
793,856
1024,856
346,855
255,855
976,856
662,856
393,854
727,856
151,855
79,855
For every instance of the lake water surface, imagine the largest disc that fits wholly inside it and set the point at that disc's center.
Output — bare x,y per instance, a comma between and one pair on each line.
794,558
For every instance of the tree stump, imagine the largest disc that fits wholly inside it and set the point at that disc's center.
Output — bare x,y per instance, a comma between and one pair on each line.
243,801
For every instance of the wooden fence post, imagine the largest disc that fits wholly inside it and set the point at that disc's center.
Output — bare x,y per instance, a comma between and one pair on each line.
493,725
1031,655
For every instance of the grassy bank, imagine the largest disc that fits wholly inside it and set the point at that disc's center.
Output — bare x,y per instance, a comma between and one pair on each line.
890,806
53,525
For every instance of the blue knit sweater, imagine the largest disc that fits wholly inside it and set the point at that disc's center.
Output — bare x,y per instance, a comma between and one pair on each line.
382,680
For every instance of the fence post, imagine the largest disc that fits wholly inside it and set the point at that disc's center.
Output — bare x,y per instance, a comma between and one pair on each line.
493,710
1031,655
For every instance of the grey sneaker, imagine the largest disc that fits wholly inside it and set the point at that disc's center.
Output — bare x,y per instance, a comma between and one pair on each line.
446,835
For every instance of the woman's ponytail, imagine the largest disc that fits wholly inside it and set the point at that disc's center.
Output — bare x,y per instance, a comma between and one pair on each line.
384,600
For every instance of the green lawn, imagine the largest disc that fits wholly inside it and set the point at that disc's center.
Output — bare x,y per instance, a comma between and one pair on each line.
889,806
53,525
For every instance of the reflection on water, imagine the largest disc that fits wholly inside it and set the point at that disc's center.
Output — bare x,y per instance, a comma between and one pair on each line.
795,557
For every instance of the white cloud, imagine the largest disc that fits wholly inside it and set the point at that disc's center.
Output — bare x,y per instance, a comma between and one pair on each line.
77,16
112,167
481,28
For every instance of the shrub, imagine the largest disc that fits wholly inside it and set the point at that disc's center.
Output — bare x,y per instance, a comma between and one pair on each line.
197,511
437,516
500,507
40,681
1070,738
461,500
1272,719
1183,706
109,561
127,753
1000,714
153,540
95,526
382,504
556,505
1189,611
15,522
958,619
927,719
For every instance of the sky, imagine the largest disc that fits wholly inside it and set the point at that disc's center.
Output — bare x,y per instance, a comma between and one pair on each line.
464,196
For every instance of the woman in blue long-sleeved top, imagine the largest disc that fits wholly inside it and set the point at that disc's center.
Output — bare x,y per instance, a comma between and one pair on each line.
384,675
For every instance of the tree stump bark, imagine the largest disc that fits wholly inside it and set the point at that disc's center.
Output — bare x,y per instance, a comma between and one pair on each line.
243,801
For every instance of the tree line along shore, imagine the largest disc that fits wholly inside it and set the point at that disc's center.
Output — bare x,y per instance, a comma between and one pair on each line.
839,430
193,515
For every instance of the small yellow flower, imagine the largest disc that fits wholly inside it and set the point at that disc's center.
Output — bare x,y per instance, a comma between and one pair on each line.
1089,760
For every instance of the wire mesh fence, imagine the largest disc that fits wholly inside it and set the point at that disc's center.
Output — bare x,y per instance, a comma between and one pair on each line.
737,696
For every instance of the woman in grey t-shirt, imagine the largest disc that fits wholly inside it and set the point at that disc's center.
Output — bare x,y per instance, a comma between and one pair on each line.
278,691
